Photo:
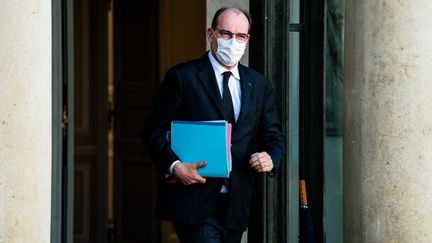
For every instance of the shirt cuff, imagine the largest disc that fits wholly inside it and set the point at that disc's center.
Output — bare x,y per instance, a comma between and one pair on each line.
170,171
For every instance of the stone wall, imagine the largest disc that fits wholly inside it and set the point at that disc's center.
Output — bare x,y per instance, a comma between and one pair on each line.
25,121
388,121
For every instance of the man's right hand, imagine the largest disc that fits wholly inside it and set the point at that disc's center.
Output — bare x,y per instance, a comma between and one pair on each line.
187,172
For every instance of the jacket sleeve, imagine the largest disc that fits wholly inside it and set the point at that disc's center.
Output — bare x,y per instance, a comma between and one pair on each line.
158,123
271,137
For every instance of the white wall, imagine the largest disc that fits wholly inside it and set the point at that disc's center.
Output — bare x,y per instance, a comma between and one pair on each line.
388,121
25,121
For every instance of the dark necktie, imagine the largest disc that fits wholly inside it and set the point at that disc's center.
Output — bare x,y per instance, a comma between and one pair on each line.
227,100
229,110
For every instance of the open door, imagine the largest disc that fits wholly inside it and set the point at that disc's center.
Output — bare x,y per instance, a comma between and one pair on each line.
136,82
149,37
90,122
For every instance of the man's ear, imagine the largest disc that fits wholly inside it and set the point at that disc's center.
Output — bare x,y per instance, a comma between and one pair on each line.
210,35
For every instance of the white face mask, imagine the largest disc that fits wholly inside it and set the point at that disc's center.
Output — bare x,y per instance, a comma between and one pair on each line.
229,52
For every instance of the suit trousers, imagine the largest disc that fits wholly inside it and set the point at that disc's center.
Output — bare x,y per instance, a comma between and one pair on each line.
212,230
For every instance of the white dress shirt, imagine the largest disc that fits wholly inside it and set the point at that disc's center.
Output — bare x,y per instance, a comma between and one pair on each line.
233,83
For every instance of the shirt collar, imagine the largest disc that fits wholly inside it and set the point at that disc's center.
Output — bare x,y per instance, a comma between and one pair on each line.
219,69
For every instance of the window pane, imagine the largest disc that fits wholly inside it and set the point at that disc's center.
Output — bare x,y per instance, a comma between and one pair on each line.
333,198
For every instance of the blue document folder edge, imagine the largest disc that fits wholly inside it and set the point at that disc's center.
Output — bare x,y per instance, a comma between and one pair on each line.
203,141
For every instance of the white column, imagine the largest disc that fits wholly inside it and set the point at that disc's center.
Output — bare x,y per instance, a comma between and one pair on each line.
25,121
388,121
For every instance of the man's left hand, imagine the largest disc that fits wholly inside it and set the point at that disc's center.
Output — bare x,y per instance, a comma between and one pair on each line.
261,162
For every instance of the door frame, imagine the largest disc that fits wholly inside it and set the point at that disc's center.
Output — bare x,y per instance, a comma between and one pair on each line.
63,149
62,122
312,95
273,219
268,53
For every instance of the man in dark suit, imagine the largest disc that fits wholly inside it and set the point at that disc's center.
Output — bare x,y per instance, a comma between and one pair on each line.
215,87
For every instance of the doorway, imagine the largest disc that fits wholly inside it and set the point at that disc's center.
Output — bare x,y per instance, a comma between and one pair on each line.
115,201
121,50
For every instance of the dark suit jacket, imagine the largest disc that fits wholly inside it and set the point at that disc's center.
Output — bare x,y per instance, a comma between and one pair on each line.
190,92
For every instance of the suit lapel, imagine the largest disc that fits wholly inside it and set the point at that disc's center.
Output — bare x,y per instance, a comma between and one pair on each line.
246,84
208,80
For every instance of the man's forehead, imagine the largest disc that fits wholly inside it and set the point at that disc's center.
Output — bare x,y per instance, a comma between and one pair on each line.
233,17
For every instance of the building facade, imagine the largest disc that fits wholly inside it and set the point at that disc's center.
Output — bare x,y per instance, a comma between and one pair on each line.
352,81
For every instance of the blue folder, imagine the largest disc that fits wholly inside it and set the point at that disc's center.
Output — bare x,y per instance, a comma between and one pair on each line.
208,141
